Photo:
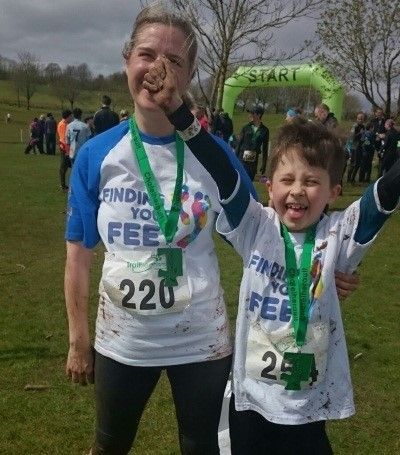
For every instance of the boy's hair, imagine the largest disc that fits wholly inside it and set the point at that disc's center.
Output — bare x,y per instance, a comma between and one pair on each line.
315,144
369,126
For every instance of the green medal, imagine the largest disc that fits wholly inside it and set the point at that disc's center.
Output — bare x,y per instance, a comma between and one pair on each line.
298,282
168,223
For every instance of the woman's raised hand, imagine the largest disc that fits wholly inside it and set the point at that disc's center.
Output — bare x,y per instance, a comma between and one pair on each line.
161,82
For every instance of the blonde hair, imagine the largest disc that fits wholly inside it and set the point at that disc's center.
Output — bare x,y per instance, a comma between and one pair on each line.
159,14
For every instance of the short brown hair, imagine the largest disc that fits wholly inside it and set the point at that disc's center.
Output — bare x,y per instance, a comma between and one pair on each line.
159,14
315,144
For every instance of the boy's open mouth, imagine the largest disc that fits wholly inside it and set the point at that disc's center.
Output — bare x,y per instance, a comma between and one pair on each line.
295,210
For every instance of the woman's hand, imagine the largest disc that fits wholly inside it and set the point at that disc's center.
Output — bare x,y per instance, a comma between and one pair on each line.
346,283
161,82
80,364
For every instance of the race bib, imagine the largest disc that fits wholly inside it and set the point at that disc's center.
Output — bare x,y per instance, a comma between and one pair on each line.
275,358
137,283
249,156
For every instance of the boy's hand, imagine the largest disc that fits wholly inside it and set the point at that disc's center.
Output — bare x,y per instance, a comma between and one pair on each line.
346,283
161,82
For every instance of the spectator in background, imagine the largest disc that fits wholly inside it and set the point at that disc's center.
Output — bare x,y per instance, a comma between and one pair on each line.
65,162
8,117
368,150
357,134
41,124
325,117
50,128
378,123
33,136
215,124
253,141
123,115
77,134
389,148
292,114
226,126
89,122
200,113
105,118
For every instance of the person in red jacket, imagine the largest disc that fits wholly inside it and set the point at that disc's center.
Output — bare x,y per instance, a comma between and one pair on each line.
65,162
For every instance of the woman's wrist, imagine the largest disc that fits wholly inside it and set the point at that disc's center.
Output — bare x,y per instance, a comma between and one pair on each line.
181,118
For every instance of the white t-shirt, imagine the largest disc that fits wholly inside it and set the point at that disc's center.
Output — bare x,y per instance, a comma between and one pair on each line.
264,323
76,135
109,202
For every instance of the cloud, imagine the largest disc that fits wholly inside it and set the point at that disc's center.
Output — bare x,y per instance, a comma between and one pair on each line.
70,32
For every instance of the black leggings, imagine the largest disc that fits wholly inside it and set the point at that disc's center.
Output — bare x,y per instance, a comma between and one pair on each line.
122,392
251,434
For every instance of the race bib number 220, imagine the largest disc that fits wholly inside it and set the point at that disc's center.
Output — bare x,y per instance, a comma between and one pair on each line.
148,283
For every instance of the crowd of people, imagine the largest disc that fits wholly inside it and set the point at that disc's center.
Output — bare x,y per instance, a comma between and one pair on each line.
151,189
369,138
70,133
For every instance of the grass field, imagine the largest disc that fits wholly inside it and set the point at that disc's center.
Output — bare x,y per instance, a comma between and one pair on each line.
33,327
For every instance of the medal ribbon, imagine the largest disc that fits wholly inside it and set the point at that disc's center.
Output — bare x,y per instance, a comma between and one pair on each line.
168,223
298,281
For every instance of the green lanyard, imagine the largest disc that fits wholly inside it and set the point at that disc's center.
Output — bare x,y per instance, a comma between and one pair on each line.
299,281
168,223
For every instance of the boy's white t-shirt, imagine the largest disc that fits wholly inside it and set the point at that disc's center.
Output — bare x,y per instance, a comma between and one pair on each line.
264,328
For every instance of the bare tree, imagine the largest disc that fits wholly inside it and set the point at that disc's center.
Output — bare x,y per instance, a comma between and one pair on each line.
361,45
52,71
26,75
237,32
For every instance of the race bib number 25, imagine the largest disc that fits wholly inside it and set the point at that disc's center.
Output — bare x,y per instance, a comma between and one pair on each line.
275,358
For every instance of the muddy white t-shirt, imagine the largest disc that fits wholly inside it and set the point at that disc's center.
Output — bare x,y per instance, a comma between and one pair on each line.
264,331
140,321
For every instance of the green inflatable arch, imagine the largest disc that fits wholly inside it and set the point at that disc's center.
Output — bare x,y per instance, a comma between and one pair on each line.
285,76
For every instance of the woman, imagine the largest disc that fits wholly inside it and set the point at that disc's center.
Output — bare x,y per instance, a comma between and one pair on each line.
147,322
161,305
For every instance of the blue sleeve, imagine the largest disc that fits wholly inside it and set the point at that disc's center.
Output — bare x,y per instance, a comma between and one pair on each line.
371,218
83,202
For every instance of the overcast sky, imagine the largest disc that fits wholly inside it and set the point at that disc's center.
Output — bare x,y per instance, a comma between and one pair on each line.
87,31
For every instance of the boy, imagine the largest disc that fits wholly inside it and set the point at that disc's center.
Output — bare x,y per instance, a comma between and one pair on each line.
291,370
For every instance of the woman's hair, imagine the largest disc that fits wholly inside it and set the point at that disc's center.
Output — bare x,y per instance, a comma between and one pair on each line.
159,14
315,144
